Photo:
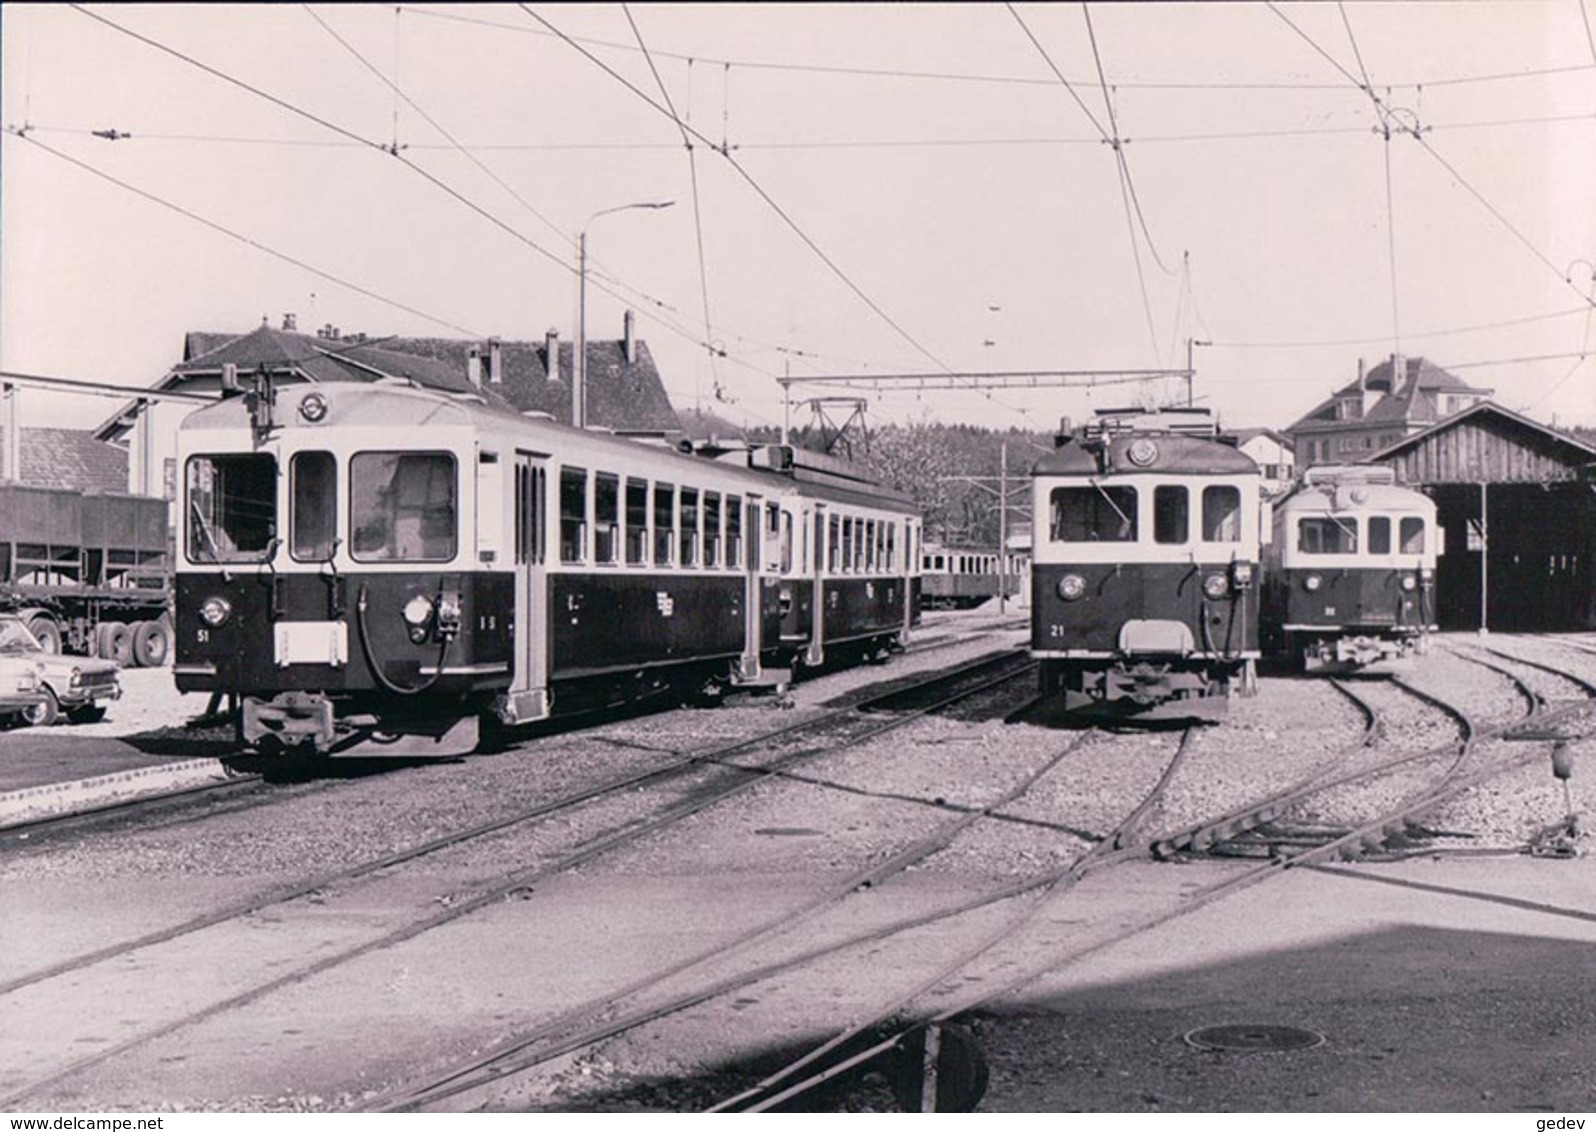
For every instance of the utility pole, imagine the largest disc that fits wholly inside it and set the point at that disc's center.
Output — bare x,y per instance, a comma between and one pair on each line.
1003,529
1190,371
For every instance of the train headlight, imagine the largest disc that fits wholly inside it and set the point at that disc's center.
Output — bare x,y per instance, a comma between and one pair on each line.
313,408
1312,583
1216,586
215,611
1409,582
417,612
1071,587
448,613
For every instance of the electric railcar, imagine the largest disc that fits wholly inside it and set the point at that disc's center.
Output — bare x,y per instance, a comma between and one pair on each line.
1349,581
962,577
1144,567
380,568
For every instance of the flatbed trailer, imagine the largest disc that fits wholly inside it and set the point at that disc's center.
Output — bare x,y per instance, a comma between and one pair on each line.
88,573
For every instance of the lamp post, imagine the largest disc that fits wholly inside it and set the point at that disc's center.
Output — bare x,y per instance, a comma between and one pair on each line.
579,369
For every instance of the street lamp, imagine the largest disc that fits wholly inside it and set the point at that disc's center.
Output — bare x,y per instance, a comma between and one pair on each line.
579,370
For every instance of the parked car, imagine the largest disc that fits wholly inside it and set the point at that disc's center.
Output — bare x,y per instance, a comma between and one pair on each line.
77,685
20,695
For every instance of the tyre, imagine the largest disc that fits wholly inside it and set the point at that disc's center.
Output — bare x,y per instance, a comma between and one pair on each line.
47,632
88,713
45,714
151,644
115,642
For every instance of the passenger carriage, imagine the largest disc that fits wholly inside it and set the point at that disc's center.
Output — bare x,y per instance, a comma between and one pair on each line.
1144,567
964,577
379,568
1349,583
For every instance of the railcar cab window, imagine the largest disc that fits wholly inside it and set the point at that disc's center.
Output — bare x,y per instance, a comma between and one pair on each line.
734,530
1326,534
1412,535
664,522
573,514
606,519
403,506
232,507
1171,513
1221,513
1094,514
1379,534
312,505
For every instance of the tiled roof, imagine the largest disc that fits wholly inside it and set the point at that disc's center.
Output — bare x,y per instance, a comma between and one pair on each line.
1413,401
71,458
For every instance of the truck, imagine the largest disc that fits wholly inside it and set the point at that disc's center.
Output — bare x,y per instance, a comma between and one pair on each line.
88,573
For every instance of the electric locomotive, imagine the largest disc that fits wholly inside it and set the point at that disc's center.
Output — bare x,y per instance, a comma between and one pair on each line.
1349,581
1144,567
378,568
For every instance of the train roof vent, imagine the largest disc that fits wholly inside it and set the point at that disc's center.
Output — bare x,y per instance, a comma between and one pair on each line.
1350,474
771,457
1187,421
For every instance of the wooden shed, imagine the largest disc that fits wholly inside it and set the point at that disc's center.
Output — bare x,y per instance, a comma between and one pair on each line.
1518,504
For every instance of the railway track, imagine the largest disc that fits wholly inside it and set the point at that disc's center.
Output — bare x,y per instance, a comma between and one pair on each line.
786,748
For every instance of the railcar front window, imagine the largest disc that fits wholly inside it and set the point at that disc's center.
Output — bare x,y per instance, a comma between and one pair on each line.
403,506
312,515
1171,513
1379,534
1221,513
1326,535
1412,535
1094,514
232,508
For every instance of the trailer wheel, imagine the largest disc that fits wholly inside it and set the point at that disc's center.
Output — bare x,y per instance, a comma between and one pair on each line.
47,632
151,644
114,642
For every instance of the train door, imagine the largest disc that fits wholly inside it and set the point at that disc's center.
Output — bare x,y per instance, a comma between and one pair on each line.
815,654
529,696
753,583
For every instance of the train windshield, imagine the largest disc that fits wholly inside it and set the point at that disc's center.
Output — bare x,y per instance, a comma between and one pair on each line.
231,508
1326,534
403,506
1094,514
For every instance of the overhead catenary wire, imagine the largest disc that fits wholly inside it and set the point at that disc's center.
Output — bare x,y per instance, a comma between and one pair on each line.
1390,206
753,183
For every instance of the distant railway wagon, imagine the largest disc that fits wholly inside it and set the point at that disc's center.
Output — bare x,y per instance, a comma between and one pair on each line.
1148,533
381,568
88,573
964,577
1349,578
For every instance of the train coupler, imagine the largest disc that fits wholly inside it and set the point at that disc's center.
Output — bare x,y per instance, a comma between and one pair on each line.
289,719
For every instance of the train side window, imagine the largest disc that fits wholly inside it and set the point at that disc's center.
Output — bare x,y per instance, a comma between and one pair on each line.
312,506
711,529
232,507
1094,514
606,518
573,514
664,523
847,544
689,541
892,546
1171,513
1221,513
636,522
403,505
1412,535
734,531
786,542
1326,535
1379,534
834,556
774,557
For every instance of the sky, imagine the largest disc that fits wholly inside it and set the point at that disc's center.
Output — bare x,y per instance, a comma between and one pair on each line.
891,189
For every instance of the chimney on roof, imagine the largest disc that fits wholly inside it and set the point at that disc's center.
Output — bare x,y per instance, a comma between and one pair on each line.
1363,389
495,361
1399,372
551,353
474,366
629,337
289,322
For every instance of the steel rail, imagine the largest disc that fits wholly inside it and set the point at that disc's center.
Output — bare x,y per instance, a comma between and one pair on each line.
474,897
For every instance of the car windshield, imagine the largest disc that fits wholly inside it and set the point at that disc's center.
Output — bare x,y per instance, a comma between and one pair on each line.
15,638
